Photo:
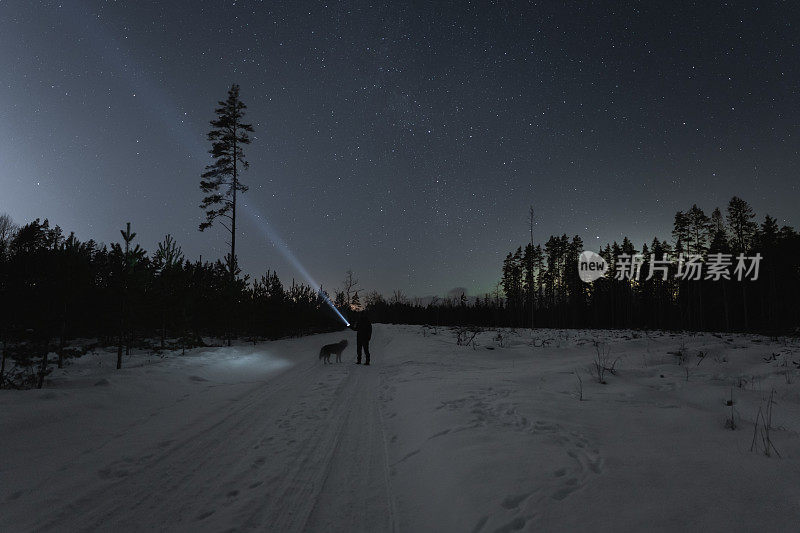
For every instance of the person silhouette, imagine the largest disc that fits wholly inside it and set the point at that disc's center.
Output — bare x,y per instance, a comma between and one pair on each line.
363,329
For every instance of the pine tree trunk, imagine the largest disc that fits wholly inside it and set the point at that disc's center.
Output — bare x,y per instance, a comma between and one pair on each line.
700,321
233,235
61,344
725,306
43,368
119,345
773,300
124,326
744,307
689,303
3,362
61,339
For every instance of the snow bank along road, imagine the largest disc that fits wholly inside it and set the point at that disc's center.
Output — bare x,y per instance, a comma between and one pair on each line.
432,437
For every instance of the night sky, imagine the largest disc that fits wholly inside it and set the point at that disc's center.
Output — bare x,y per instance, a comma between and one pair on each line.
402,140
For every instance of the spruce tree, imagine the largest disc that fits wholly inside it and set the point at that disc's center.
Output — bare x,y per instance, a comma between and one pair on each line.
130,258
742,226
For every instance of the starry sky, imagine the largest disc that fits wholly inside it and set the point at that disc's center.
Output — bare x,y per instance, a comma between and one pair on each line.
404,140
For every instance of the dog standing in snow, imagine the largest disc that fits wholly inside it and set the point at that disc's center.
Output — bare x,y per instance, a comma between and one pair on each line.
330,349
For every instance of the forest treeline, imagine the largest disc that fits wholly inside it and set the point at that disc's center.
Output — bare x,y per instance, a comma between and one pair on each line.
542,285
55,288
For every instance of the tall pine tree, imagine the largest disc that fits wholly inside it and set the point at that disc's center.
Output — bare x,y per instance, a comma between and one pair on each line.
220,182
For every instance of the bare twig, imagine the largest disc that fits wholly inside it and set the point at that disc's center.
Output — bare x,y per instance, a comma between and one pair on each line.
761,432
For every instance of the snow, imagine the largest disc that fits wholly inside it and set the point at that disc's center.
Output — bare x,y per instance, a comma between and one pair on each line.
432,437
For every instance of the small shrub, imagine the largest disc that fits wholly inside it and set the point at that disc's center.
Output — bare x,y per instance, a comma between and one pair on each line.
602,362
730,422
465,336
499,339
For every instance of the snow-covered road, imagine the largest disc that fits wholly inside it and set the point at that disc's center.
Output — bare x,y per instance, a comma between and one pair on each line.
431,437
248,439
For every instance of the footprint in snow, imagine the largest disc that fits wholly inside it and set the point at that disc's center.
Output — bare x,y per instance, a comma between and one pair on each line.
513,501
515,525
406,456
204,515
445,432
109,473
563,492
480,524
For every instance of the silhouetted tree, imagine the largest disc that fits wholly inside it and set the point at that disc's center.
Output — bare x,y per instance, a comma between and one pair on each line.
741,224
167,265
698,227
350,284
220,182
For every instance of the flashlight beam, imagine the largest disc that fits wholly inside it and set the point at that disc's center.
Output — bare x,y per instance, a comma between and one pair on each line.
287,253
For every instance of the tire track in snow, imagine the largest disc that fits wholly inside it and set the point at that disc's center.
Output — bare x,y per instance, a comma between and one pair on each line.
350,489
260,463
355,495
152,482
